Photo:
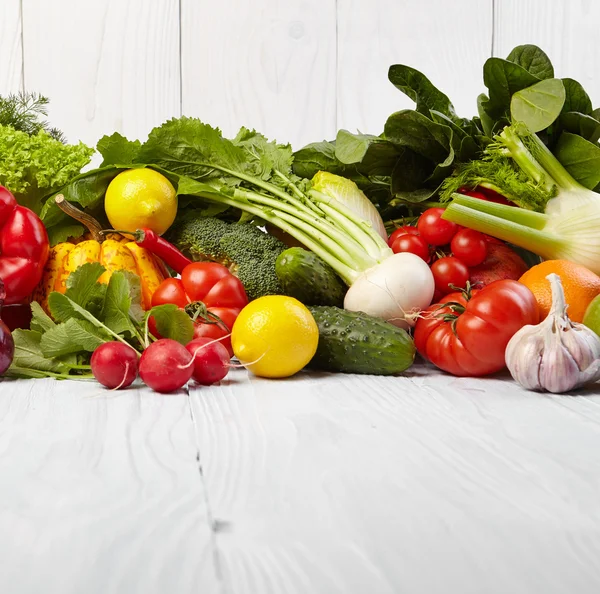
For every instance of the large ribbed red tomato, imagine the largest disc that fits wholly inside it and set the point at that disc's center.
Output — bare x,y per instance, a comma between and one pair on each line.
468,335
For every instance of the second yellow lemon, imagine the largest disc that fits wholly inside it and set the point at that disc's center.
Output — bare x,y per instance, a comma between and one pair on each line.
275,336
140,198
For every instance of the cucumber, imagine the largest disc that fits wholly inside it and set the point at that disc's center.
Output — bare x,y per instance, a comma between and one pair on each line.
306,277
354,342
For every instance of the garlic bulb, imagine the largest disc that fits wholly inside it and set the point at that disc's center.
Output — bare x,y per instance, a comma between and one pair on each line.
557,355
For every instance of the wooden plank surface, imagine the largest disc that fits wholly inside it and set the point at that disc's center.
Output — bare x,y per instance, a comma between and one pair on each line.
447,41
566,31
100,493
107,65
269,65
340,484
10,46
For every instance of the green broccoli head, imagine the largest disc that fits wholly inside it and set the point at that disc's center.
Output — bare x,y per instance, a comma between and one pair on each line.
246,250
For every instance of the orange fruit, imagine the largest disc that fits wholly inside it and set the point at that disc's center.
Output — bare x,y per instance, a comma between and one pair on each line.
580,285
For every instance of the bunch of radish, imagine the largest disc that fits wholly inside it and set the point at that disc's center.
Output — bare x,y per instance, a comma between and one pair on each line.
165,366
449,249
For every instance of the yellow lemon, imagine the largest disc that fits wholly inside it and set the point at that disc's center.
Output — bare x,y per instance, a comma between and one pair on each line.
275,336
140,198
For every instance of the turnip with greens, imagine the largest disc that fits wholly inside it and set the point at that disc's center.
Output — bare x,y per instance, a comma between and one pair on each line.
254,175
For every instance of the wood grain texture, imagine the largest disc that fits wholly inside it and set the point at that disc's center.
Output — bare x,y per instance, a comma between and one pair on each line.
339,484
566,31
447,41
269,65
107,65
10,46
101,493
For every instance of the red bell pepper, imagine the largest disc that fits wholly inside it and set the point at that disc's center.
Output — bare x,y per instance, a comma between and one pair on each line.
211,295
23,248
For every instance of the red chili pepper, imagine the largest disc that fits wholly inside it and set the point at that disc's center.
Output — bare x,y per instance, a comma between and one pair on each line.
23,248
160,247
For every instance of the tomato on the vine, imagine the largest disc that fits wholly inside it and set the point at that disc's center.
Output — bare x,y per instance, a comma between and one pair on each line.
210,294
413,244
468,335
469,246
435,230
404,230
449,271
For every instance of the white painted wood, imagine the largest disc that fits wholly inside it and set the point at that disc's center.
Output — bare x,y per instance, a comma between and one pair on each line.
10,46
107,65
566,31
418,484
447,41
100,493
269,65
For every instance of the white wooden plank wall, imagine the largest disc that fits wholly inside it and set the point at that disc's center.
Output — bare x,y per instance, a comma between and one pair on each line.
296,69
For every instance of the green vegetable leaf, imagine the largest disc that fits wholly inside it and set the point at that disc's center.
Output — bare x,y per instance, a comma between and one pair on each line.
117,305
486,121
136,311
576,99
419,88
532,59
581,124
71,337
87,190
28,353
34,167
40,320
62,232
413,130
503,79
187,146
539,105
83,286
173,323
580,158
117,150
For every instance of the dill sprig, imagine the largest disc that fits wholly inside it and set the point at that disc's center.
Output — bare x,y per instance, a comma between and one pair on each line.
26,112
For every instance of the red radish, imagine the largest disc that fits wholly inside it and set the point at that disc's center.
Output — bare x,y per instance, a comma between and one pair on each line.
211,360
166,366
114,365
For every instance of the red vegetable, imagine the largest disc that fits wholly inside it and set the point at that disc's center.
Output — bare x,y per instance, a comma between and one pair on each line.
404,230
7,345
114,365
468,336
166,366
412,243
469,246
23,248
211,360
210,294
435,230
449,271
161,248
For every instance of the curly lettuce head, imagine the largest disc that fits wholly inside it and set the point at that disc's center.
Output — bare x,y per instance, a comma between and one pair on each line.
34,167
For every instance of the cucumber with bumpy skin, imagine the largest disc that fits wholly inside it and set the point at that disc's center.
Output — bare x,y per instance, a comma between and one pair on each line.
354,342
306,277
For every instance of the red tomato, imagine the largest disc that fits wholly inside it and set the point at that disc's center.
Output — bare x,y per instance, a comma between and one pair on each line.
211,284
435,230
406,229
449,271
470,337
409,242
220,329
469,246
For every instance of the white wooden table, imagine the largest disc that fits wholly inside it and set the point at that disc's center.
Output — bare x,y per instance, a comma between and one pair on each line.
322,484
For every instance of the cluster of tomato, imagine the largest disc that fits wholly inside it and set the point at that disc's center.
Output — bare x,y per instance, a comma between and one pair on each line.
449,249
